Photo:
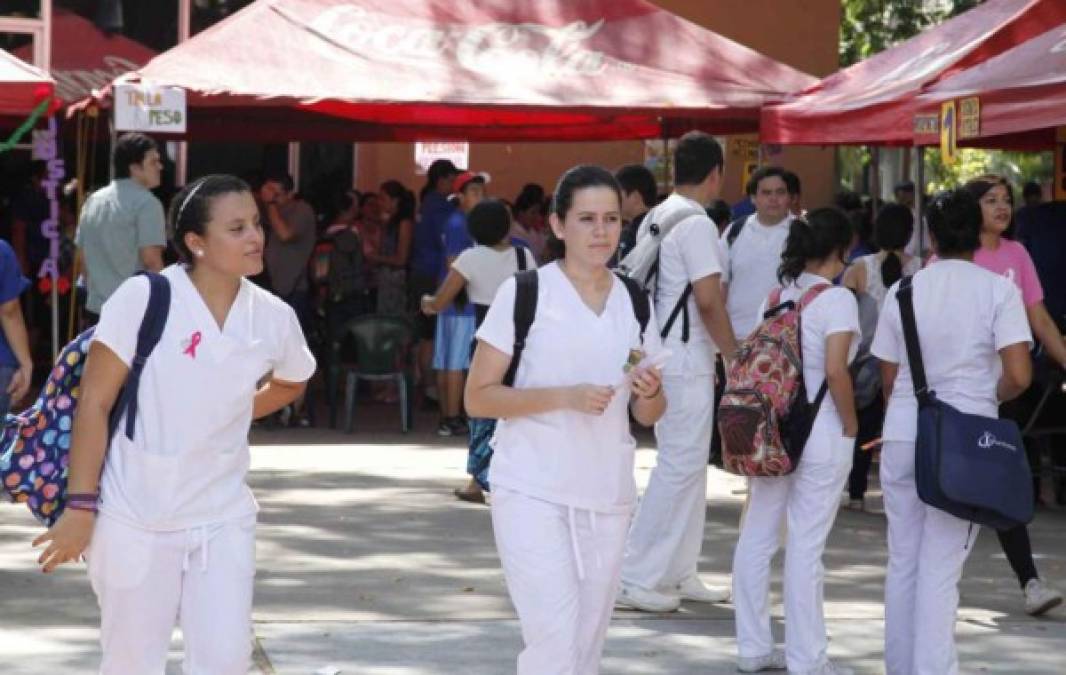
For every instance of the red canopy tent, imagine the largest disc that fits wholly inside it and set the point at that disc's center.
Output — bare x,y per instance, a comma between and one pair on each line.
22,87
1021,96
391,70
85,58
873,102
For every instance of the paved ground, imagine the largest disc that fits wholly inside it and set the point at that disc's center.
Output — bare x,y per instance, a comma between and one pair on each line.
368,565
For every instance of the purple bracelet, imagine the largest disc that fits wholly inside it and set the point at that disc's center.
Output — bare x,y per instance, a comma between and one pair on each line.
82,501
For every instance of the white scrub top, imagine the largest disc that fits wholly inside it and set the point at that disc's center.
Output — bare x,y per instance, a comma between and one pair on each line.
568,457
186,464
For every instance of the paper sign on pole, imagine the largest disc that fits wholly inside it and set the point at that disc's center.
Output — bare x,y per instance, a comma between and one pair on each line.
948,133
427,153
150,109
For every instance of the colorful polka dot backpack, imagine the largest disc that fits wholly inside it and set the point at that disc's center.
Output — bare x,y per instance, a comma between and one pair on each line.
35,444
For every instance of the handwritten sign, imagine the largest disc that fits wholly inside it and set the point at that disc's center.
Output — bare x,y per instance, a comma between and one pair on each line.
46,148
427,153
150,109
948,133
969,117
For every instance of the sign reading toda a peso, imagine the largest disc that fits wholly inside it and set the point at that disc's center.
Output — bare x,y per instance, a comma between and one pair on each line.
142,107
498,50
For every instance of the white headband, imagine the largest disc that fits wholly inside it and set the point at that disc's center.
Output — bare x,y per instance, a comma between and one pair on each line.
185,202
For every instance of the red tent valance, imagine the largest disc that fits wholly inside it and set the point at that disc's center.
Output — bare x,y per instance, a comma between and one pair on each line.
488,70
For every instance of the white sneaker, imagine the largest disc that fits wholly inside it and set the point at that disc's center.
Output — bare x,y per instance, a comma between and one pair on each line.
775,660
1039,598
695,590
646,600
830,668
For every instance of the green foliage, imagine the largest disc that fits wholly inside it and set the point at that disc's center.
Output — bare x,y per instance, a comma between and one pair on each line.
870,26
1017,167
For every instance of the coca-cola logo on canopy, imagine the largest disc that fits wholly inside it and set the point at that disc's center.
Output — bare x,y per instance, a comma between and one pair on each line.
496,49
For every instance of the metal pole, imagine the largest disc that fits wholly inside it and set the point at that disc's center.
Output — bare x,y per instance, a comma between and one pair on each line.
875,177
919,198
181,154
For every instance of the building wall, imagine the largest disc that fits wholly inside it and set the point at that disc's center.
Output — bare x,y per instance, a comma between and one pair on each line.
801,33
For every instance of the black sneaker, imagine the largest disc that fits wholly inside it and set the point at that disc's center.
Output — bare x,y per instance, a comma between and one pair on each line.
445,429
458,426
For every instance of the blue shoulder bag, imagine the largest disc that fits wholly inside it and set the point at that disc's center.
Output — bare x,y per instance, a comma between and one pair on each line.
971,466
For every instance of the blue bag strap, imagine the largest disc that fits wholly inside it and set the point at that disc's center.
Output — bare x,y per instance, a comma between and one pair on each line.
148,336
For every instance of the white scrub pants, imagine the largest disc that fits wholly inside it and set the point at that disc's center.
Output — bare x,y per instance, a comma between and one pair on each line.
664,544
927,549
807,501
562,566
145,581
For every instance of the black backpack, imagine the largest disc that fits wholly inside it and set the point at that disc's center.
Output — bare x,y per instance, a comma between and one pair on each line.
525,311
346,277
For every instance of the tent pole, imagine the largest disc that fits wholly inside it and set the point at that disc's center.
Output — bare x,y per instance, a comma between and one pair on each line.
181,150
919,198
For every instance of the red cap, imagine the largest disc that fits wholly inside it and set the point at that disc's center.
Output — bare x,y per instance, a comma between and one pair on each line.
466,177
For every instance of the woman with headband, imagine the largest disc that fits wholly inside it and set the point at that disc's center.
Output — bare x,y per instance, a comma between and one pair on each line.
166,520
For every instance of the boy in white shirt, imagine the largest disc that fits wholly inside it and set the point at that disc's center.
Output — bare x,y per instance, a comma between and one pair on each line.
664,544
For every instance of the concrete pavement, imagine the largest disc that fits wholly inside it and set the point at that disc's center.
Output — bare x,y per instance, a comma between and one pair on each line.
367,564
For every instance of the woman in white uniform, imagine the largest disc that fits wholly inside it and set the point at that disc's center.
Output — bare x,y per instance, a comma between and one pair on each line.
562,473
807,499
172,535
975,347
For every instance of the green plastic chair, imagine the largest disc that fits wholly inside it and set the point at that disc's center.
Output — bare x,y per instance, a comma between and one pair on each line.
374,348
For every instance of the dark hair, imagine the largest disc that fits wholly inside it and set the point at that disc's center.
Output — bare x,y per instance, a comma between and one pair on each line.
489,222
720,212
818,235
531,195
341,203
440,168
981,186
761,174
638,178
405,202
955,221
697,155
282,178
130,149
847,201
1032,189
792,183
366,197
893,228
190,210
580,177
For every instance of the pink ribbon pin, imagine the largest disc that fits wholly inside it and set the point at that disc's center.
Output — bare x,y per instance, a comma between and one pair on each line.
193,343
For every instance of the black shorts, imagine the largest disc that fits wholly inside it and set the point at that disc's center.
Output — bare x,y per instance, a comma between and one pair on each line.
417,286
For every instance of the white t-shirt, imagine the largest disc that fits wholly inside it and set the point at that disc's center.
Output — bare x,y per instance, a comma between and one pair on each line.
875,287
751,269
186,464
688,253
965,315
485,268
833,311
567,457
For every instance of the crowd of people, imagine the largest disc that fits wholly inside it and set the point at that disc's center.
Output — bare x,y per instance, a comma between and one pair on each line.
540,347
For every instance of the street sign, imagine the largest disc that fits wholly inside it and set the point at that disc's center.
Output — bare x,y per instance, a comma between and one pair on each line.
150,109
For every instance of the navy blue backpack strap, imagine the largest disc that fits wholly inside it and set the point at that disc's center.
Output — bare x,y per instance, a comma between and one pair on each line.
523,265
151,330
525,310
905,296
641,302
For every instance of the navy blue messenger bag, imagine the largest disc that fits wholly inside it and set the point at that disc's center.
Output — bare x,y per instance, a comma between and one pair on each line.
971,466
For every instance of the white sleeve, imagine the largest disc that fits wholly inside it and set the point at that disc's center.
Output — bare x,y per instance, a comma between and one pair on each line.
888,339
293,362
121,316
651,342
463,263
699,248
841,312
497,329
1010,324
724,251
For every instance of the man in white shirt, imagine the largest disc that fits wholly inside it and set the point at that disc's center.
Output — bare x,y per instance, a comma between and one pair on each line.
752,248
659,569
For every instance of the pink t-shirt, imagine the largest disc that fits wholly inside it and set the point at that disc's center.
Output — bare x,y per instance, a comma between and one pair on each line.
1011,260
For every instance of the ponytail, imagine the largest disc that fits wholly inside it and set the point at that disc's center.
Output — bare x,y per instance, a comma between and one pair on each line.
891,269
822,233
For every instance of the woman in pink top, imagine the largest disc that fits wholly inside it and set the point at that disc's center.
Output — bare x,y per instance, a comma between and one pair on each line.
1009,258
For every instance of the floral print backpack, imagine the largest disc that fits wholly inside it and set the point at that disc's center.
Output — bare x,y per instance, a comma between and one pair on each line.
764,417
